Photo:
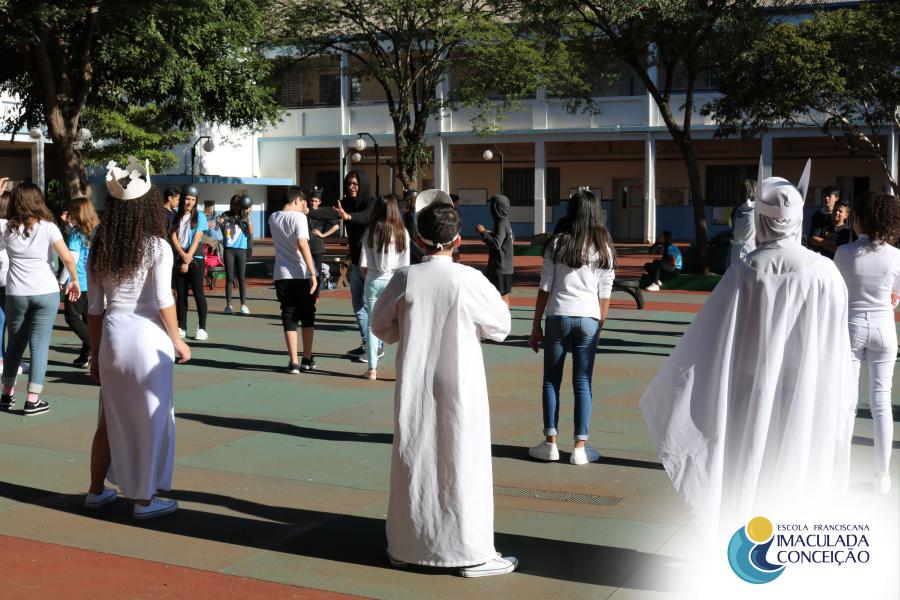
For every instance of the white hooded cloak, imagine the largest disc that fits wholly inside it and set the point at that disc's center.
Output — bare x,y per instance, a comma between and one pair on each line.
441,504
753,411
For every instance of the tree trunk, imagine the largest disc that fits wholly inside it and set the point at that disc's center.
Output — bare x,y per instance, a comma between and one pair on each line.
697,202
74,182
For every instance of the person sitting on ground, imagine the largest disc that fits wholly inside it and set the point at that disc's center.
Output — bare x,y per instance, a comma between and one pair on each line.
441,500
295,277
667,266
835,234
500,246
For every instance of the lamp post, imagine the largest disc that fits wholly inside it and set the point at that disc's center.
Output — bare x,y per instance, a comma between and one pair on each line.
489,155
350,156
37,134
360,145
208,146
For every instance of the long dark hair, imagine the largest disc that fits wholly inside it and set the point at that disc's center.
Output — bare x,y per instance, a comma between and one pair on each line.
582,234
126,240
386,224
234,206
27,207
878,216
179,214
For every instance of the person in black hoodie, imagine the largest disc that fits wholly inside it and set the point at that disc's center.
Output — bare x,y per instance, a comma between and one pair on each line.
356,208
500,246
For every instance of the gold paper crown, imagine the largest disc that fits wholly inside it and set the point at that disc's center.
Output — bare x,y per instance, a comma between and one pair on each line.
138,176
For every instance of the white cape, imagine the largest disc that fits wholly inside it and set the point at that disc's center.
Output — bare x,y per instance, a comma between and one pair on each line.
441,505
753,410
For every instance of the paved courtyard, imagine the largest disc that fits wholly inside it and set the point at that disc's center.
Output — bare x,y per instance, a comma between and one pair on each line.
282,479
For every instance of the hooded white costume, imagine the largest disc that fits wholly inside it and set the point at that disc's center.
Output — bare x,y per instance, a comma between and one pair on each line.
753,410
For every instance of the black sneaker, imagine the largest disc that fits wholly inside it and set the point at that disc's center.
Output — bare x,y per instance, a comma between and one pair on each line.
308,364
381,352
82,361
7,401
36,408
364,357
358,352
293,368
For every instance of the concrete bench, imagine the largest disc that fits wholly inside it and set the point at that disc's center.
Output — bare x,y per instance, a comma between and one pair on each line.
631,287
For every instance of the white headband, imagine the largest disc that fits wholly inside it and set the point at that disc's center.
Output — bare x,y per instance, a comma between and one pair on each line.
439,246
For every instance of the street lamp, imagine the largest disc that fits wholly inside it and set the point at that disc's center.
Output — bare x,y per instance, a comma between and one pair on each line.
489,155
37,134
208,146
360,145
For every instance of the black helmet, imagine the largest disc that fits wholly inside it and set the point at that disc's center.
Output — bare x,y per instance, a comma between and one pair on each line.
316,192
190,190
246,201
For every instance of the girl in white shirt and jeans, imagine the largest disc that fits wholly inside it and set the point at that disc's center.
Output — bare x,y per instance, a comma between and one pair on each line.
871,269
32,292
385,249
576,282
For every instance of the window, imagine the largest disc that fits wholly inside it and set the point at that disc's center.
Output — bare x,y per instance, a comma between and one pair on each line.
725,183
310,83
519,186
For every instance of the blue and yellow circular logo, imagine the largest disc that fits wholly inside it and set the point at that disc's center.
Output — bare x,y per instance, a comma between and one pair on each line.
747,552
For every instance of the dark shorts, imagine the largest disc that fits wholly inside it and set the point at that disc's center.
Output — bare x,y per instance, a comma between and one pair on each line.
501,281
298,306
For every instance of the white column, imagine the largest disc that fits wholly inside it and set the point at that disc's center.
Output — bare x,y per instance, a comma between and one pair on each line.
442,164
892,159
649,189
540,201
768,155
345,94
653,73
539,110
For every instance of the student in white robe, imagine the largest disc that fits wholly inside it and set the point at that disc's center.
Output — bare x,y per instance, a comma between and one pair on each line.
743,233
134,341
871,268
441,503
752,413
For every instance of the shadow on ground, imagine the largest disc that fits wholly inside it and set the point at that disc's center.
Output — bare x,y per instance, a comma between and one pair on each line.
361,540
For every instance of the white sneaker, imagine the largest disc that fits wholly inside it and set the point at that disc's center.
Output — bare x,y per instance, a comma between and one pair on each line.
157,508
583,456
653,287
228,310
244,309
882,483
201,335
97,500
496,566
544,451
181,333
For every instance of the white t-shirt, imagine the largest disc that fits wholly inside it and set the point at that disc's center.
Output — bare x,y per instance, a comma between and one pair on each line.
381,263
4,267
287,228
574,292
872,272
30,259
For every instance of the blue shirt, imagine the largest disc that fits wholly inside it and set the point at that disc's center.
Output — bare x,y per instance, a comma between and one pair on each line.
79,243
676,253
232,233
187,240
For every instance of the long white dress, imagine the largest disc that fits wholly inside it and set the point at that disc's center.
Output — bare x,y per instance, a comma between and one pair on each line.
753,410
441,505
137,361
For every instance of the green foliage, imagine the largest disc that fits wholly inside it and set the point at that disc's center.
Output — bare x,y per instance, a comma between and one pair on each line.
136,131
410,46
837,70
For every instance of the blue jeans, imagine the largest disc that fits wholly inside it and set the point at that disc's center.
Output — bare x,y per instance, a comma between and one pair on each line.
374,287
30,320
578,334
357,297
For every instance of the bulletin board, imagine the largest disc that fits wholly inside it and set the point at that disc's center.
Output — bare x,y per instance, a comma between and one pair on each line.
472,196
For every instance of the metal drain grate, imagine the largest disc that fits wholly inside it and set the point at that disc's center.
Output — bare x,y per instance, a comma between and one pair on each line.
557,496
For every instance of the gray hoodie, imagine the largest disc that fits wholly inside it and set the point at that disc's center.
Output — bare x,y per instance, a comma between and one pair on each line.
500,239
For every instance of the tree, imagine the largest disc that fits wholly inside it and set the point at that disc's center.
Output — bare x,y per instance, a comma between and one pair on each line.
410,46
174,63
682,39
837,71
